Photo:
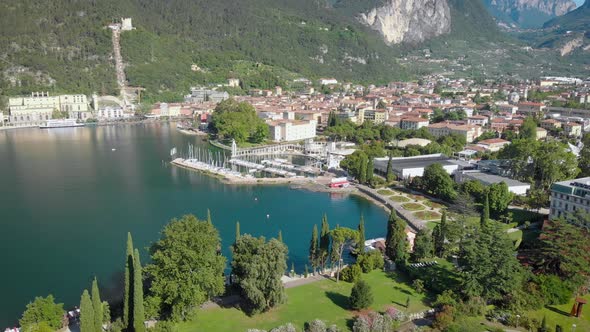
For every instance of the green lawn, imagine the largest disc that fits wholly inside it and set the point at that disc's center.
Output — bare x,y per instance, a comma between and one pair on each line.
427,215
416,197
432,204
559,314
385,192
399,199
326,300
413,206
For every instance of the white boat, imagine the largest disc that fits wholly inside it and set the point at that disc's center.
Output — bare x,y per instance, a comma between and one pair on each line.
61,123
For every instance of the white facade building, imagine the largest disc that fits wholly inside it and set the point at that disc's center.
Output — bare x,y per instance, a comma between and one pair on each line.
39,107
292,130
569,197
515,187
110,113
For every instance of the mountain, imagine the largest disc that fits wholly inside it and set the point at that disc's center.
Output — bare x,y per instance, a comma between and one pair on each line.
568,35
182,43
528,13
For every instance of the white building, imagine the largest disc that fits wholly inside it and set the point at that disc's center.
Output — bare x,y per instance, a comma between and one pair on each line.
126,24
292,130
569,197
413,123
470,132
410,167
515,187
110,113
328,81
40,106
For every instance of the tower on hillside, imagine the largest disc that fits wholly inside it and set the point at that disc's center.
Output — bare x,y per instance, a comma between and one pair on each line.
126,24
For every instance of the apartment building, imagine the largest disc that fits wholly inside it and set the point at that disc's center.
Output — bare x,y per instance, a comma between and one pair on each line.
569,197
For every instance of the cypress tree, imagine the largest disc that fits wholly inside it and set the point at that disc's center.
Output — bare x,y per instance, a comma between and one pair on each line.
209,216
138,312
86,313
362,178
314,248
485,215
389,174
280,237
128,295
324,242
237,231
361,244
370,167
396,242
439,235
96,306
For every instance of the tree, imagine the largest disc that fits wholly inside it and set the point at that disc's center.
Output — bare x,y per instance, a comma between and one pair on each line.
370,168
437,182
528,130
489,264
485,213
564,252
396,244
360,247
439,235
280,236
96,306
42,311
361,296
540,163
423,245
389,173
238,121
499,197
585,156
324,242
314,250
209,216
259,265
86,313
340,237
237,231
186,268
128,290
363,168
138,309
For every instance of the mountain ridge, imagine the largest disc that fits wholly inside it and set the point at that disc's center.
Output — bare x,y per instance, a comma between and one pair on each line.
528,13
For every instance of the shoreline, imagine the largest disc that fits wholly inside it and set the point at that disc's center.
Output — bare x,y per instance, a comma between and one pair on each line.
320,184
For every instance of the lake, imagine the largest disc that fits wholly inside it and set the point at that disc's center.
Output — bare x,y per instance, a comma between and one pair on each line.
67,201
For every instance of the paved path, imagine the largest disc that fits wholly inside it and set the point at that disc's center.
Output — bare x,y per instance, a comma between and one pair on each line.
305,281
413,222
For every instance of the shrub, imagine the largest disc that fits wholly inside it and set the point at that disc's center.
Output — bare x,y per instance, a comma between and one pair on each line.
418,285
473,307
316,326
285,328
351,273
444,318
371,261
361,296
554,290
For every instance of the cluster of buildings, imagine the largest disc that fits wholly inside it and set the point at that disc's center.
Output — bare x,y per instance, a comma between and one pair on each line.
39,107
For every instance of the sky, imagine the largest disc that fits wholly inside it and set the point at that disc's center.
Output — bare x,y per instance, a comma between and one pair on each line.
579,2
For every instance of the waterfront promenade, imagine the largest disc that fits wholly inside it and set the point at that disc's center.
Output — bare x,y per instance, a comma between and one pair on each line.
415,223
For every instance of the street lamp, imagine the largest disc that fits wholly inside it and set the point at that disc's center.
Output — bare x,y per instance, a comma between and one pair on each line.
517,319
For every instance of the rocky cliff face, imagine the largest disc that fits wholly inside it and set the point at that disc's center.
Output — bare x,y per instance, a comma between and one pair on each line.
409,21
550,7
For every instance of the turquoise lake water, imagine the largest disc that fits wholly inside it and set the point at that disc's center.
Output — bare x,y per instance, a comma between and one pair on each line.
67,201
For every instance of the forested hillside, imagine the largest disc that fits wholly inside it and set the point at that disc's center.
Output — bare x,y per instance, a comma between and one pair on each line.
66,47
